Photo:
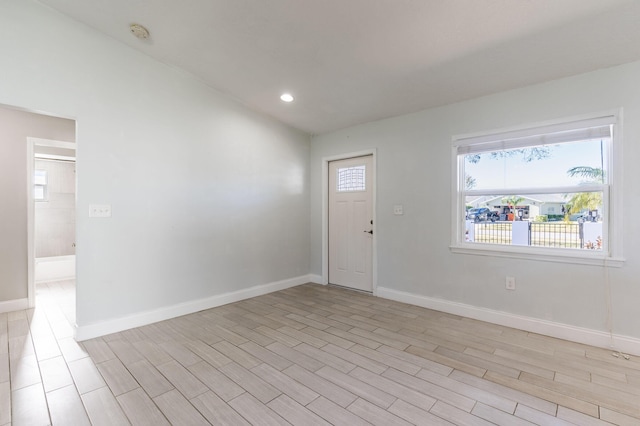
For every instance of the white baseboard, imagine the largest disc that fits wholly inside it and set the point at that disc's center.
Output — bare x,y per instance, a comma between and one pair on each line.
115,325
14,305
572,333
316,279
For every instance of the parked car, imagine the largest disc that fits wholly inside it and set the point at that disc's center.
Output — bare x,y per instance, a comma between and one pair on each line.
482,214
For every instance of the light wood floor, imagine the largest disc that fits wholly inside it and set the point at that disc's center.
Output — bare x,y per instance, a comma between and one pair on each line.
304,356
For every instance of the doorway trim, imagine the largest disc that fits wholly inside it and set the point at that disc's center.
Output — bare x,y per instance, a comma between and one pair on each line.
325,214
31,226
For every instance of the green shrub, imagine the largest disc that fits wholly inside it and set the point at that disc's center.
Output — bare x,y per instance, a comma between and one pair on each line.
541,218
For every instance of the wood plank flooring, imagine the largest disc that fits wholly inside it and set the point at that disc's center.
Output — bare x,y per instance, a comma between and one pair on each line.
309,355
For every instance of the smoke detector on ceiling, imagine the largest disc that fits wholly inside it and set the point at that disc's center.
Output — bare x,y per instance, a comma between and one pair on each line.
139,31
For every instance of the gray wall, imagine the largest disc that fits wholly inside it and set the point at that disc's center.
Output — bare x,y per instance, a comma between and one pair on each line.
414,169
55,217
15,127
207,197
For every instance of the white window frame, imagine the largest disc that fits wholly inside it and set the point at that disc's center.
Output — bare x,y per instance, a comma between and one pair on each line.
40,183
610,255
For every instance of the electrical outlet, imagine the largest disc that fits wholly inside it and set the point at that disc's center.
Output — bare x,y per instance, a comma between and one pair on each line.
398,210
510,283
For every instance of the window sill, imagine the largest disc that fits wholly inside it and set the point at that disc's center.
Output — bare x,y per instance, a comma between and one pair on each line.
542,255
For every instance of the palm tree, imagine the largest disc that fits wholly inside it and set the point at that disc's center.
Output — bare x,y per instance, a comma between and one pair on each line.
512,201
585,200
593,174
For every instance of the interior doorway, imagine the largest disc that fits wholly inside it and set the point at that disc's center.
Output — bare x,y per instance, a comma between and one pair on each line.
17,261
51,213
350,222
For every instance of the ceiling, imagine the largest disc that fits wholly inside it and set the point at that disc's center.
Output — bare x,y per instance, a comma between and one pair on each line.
353,61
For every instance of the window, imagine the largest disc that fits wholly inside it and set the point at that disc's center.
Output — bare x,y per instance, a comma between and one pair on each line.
539,191
351,179
40,185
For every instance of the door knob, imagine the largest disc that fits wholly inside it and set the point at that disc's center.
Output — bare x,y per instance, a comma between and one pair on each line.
369,232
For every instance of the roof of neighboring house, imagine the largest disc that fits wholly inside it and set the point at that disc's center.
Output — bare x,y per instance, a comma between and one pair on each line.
527,199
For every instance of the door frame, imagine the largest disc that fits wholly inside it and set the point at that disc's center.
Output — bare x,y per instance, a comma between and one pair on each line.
325,214
31,224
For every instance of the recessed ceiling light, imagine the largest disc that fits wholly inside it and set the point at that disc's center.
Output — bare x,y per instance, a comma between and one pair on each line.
286,97
139,31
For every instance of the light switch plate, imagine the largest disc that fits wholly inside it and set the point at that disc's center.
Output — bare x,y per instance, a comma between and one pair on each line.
99,210
398,210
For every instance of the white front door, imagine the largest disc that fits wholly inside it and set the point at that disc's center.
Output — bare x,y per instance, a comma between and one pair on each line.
351,222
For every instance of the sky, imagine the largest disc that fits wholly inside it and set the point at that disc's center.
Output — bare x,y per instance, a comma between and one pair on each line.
514,172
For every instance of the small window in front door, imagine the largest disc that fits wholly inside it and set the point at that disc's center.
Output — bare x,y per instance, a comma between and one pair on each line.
351,179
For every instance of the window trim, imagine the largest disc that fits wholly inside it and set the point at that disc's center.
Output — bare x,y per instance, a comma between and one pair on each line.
612,256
